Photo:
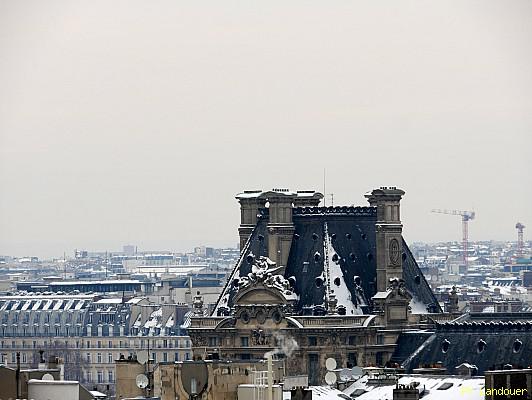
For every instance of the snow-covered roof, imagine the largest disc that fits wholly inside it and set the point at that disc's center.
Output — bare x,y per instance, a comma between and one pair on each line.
431,387
326,393
109,301
108,282
337,283
382,295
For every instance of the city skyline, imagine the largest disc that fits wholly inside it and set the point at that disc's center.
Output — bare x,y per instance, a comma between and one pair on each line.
121,123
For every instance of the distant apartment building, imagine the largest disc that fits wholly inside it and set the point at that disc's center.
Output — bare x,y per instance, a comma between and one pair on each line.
89,333
182,289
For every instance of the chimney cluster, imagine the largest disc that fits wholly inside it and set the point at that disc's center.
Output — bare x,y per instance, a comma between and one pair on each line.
280,229
279,203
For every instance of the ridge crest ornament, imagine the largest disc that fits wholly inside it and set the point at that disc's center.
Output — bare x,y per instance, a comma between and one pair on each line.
394,251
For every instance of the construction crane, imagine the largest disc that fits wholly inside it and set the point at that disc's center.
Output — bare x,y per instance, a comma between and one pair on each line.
519,226
466,217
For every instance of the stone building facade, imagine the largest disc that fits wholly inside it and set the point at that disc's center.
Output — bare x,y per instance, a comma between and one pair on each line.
89,333
316,282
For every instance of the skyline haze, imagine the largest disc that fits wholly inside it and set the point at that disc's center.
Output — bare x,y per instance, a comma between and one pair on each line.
126,122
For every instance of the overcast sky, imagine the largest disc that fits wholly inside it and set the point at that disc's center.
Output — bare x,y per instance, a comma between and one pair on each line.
138,121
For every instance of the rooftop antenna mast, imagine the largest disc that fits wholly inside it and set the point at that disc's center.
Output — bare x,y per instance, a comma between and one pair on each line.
324,192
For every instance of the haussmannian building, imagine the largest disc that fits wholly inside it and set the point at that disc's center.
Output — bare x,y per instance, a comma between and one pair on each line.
89,332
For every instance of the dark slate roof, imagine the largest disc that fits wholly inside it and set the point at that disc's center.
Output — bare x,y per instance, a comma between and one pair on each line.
488,345
415,281
351,234
408,343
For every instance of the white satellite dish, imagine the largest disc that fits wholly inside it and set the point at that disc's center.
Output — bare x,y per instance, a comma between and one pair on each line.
330,378
47,377
141,381
345,374
356,372
142,357
330,364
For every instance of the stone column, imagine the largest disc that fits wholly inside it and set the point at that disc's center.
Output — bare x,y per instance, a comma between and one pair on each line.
389,241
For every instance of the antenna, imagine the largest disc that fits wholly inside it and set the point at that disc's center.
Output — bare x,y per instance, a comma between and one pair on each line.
142,357
142,381
324,192
330,378
357,372
47,377
330,364
345,374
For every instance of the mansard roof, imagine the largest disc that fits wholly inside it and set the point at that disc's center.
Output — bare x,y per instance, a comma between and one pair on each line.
488,344
341,240
86,315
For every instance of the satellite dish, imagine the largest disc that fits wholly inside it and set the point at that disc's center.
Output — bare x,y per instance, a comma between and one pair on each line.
330,364
141,381
47,377
345,374
356,372
330,378
142,357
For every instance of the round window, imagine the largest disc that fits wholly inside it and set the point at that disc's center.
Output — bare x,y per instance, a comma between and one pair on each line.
244,317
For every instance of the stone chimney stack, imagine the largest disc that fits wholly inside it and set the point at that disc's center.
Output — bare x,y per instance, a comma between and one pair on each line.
250,203
280,225
389,229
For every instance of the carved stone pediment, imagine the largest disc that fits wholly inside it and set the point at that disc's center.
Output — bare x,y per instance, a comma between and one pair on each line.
264,285
259,295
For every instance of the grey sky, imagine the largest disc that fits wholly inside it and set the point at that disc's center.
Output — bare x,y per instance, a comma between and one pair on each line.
138,121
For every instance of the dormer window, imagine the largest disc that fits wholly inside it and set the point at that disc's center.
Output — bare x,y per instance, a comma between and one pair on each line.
481,346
